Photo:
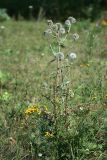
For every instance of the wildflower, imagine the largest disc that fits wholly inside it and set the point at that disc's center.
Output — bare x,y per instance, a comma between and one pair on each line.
104,23
59,56
2,27
50,23
32,109
62,31
48,32
59,25
39,154
72,56
75,36
30,7
72,19
48,134
81,108
55,28
68,23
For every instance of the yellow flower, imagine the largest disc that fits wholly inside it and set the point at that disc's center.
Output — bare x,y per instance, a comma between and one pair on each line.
106,95
84,65
32,109
93,98
48,134
104,23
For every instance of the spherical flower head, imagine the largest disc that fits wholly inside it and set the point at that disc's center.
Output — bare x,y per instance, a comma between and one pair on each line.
75,36
72,19
40,155
59,25
72,56
68,23
48,32
50,23
59,56
55,28
2,27
62,30
30,7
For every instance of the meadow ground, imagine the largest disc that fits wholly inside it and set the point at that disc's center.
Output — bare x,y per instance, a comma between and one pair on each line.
25,67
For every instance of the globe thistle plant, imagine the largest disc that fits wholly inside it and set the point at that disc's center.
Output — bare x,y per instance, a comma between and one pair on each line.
61,91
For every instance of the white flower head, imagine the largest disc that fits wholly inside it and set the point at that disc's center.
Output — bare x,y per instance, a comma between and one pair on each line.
2,27
39,154
68,23
30,7
59,25
55,27
50,23
62,30
48,32
59,56
75,36
72,56
72,19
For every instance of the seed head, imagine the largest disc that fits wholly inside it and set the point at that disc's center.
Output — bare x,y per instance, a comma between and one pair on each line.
62,31
48,32
30,7
75,36
55,27
59,56
2,27
40,155
50,23
72,19
72,56
59,25
68,23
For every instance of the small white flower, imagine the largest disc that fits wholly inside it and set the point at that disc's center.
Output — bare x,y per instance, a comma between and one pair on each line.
42,54
72,19
62,31
48,32
39,154
72,56
75,36
68,23
81,108
2,27
30,7
59,56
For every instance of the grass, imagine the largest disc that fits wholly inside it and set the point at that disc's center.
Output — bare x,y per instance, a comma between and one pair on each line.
24,68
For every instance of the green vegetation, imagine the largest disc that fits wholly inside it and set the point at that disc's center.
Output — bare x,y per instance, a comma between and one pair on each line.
28,128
